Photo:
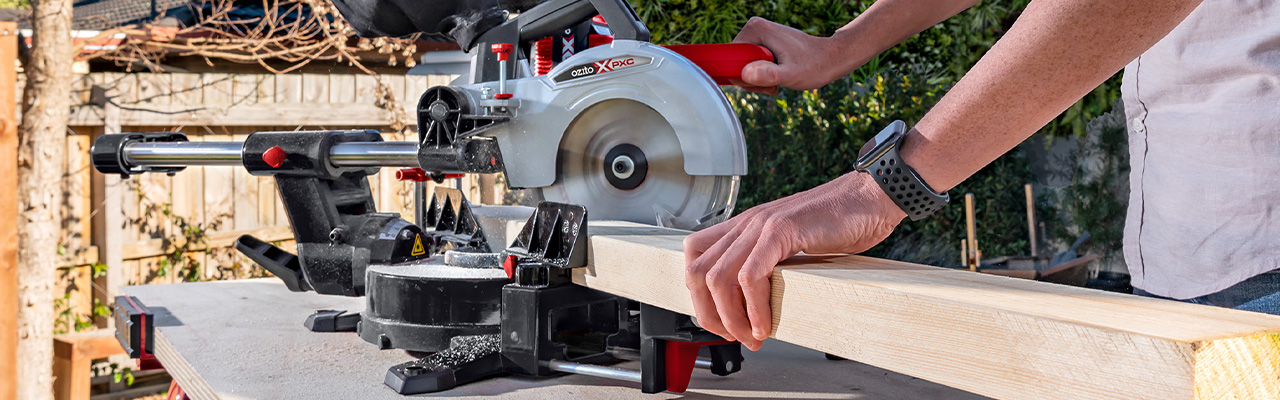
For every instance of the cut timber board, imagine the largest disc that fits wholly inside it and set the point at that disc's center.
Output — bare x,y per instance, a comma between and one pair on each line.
997,336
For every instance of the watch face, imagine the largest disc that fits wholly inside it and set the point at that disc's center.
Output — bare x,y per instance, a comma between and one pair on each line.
881,143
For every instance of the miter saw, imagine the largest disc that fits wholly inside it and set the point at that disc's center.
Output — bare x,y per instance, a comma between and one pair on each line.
568,100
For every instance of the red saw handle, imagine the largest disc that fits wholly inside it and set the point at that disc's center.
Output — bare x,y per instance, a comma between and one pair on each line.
724,61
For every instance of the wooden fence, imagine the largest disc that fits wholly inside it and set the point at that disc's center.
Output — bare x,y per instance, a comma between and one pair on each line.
142,228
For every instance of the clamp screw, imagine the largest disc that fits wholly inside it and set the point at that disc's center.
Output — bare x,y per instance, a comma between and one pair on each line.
503,51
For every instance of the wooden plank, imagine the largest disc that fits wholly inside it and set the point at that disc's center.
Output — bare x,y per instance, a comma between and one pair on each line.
76,224
256,115
366,87
342,89
1001,337
187,90
153,89
246,88
288,89
414,87
216,89
315,88
8,211
245,195
157,247
125,88
268,199
73,353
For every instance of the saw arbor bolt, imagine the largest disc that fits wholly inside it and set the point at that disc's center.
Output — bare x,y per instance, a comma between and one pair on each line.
625,167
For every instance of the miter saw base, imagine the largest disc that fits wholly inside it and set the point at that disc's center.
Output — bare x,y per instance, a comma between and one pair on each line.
420,306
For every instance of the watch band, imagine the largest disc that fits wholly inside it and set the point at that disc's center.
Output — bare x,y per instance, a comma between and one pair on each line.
901,182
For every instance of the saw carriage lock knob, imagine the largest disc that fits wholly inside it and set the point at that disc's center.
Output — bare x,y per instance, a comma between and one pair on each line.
607,123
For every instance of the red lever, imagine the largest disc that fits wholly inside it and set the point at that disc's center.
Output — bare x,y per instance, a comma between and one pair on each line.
509,265
419,175
503,50
680,359
411,174
274,157
724,61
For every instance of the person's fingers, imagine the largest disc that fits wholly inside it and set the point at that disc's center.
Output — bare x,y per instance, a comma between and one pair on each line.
748,87
762,73
755,279
696,278
755,31
722,281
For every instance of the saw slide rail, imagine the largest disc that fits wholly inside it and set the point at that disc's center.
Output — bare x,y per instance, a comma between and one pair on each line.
138,155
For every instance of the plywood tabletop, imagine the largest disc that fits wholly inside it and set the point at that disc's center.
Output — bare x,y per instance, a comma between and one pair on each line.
245,340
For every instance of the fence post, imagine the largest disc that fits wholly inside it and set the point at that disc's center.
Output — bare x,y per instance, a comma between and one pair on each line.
8,211
108,221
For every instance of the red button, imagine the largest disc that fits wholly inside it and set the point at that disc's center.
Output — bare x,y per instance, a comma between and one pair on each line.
274,157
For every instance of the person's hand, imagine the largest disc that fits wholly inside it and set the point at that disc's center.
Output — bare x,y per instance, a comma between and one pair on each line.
728,266
803,61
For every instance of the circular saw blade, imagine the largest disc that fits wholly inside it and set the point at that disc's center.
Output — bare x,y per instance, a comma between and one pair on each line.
667,197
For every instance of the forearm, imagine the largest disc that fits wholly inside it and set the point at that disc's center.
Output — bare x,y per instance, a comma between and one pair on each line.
885,24
1056,53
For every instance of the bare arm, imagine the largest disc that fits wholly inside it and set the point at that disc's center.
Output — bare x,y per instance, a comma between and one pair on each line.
1057,52
809,62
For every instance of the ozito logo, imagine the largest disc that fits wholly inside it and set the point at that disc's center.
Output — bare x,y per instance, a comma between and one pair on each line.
601,67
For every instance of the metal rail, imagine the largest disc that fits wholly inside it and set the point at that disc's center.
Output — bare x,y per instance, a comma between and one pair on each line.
181,154
594,370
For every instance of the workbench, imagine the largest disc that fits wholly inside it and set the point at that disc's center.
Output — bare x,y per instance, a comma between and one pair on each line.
245,340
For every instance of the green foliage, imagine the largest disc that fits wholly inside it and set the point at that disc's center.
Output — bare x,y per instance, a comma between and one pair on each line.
181,251
798,140
15,3
70,320
1098,197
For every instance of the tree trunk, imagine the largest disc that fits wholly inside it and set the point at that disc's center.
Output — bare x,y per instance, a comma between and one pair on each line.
41,159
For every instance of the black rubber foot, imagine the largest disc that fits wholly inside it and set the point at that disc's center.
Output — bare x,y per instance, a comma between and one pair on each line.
332,321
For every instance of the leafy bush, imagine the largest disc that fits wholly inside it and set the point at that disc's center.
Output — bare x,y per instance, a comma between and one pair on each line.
798,140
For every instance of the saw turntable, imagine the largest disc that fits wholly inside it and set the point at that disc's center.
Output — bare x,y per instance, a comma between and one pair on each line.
569,101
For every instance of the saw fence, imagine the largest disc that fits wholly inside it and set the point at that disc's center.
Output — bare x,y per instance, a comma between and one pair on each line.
996,336
106,219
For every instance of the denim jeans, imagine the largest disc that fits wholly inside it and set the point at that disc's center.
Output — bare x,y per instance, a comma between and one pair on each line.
1259,294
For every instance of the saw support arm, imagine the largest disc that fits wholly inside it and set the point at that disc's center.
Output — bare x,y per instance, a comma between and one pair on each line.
322,178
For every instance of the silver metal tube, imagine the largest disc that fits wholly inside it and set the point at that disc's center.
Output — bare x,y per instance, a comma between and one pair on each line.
374,154
178,154
595,370
502,77
630,355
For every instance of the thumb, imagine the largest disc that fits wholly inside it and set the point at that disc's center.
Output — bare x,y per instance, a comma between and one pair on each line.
762,73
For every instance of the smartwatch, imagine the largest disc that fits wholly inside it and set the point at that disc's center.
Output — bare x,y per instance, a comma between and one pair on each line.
880,158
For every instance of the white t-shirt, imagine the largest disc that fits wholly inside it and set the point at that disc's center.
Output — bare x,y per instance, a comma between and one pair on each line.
1204,134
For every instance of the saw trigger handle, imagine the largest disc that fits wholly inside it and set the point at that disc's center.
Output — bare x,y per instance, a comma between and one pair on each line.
723,61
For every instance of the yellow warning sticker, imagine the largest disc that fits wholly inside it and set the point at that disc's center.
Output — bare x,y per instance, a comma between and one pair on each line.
417,246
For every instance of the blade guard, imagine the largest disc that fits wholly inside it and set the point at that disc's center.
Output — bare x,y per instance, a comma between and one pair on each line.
706,125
